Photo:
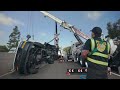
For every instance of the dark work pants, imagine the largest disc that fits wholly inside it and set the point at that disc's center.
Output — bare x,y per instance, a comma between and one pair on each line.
96,72
93,74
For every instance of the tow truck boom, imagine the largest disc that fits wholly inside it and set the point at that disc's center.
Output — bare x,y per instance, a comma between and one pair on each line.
67,26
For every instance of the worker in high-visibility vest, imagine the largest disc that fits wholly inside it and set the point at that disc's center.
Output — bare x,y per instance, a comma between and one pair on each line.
96,53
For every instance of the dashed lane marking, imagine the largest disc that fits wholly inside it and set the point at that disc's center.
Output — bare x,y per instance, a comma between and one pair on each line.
7,73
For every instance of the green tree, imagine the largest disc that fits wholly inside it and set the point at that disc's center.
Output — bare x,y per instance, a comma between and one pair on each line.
67,49
14,38
3,48
113,29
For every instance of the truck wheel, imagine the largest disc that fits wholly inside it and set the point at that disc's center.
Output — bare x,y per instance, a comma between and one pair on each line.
17,59
31,64
22,68
22,62
51,60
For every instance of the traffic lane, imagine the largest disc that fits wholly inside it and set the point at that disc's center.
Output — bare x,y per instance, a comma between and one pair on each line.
6,62
114,76
16,75
55,71
5,66
49,71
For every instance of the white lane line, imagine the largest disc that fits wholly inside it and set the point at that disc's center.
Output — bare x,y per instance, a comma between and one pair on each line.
14,70
7,73
116,74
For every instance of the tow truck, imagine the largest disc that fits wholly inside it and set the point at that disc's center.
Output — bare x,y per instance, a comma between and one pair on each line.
30,54
71,28
78,33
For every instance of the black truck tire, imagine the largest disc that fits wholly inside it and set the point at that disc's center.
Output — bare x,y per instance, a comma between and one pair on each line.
17,59
22,68
20,58
31,65
23,60
51,60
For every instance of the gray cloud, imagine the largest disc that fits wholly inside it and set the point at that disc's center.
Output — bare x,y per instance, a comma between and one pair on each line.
94,15
6,20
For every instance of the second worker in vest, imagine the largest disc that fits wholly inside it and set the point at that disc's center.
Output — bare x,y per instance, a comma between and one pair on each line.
96,53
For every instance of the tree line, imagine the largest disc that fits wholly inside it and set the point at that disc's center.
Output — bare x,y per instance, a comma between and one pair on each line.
14,39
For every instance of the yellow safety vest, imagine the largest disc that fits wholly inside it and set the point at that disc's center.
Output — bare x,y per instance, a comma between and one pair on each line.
98,54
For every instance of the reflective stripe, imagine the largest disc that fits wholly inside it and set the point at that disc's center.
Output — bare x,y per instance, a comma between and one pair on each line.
92,44
100,54
108,47
97,61
23,44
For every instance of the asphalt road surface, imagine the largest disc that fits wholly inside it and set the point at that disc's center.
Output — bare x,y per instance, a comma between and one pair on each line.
52,71
46,71
6,62
49,71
